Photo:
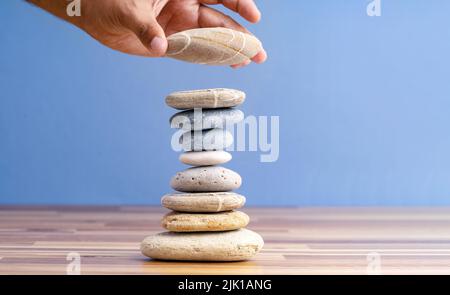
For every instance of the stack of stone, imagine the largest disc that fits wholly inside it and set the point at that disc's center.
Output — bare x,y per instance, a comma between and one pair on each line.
204,225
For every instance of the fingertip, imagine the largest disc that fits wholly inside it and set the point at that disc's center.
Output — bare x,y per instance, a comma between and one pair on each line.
241,65
158,46
256,17
260,57
250,11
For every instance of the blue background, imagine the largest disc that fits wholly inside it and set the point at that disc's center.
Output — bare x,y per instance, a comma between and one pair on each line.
364,106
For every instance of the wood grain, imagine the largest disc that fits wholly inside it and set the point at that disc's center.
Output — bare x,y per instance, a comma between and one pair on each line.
36,240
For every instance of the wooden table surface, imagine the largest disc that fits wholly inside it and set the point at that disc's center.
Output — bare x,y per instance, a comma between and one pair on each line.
37,240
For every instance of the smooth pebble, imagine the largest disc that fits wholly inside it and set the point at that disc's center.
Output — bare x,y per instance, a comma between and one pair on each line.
205,98
203,202
205,158
213,46
195,222
200,119
206,140
236,245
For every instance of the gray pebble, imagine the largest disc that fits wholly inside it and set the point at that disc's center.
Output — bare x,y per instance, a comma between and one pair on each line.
200,119
206,140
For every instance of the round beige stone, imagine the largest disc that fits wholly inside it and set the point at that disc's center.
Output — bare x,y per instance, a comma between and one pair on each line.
203,202
205,98
213,46
206,158
236,245
195,222
206,179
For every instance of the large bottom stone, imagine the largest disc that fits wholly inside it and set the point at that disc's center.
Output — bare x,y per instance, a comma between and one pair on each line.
235,245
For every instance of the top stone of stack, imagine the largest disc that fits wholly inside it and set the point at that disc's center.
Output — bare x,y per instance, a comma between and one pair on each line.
205,98
213,46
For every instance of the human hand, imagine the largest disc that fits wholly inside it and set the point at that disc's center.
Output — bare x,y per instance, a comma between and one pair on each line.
140,27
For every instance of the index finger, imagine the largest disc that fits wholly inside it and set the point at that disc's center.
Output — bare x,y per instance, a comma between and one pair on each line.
246,8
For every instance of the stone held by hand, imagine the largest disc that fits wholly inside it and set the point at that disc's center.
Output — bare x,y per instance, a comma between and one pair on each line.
213,46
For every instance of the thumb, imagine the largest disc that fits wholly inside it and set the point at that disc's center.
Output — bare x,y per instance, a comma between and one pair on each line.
151,34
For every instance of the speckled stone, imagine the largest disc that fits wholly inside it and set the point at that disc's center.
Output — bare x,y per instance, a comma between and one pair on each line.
236,245
205,98
206,179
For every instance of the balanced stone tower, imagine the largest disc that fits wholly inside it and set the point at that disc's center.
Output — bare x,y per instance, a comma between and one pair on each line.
204,224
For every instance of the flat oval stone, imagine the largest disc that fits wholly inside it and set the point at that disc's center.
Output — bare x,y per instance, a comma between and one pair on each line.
205,98
206,179
195,222
236,245
203,202
200,119
205,158
206,140
213,46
